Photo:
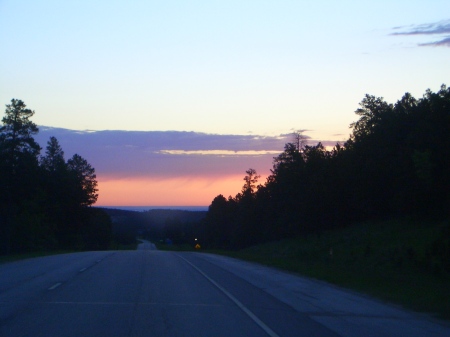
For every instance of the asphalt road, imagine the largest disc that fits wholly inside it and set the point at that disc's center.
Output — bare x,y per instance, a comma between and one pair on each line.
154,293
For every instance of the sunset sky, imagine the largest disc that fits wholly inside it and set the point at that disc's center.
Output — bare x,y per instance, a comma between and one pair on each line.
171,101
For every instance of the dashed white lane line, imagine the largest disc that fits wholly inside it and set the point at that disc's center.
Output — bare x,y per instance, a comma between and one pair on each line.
56,285
261,324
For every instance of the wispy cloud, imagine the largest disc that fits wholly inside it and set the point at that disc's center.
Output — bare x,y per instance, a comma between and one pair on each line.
444,43
167,153
168,167
220,152
441,29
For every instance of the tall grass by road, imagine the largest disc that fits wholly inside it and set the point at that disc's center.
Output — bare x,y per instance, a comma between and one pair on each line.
401,261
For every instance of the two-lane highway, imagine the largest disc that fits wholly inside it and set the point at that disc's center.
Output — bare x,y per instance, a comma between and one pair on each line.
153,293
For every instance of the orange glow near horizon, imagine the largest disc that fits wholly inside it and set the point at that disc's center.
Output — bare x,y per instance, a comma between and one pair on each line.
183,191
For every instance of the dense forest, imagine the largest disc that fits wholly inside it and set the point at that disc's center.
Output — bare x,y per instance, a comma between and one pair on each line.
45,200
395,163
157,225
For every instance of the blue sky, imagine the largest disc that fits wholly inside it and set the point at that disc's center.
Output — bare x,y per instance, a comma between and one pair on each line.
261,68
227,67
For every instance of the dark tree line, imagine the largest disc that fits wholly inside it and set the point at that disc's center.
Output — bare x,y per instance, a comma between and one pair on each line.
45,200
155,225
396,162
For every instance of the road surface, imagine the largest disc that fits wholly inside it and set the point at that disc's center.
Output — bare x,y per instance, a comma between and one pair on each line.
154,293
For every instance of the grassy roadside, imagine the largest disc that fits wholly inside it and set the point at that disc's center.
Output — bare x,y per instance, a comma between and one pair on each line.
17,257
23,256
389,260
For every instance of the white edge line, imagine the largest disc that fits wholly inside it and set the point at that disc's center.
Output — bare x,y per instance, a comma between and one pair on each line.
263,326
56,285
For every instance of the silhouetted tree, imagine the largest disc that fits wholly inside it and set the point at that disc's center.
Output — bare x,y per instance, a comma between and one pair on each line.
16,134
84,179
394,163
58,199
54,157
299,140
250,182
218,223
44,201
19,167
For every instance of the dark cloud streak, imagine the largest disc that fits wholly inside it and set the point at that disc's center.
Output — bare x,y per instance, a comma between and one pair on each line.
138,154
442,27
128,154
437,28
445,43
